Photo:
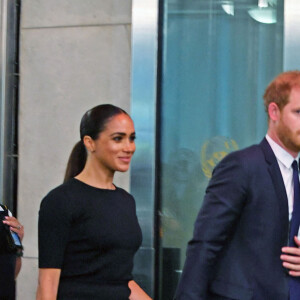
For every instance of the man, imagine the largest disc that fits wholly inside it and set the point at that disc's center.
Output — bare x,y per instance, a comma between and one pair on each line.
10,262
241,248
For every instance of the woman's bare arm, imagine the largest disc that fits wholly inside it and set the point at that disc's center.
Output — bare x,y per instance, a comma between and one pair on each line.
137,293
18,266
48,284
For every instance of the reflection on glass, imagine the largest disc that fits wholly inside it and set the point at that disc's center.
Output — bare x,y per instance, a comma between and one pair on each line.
228,7
216,62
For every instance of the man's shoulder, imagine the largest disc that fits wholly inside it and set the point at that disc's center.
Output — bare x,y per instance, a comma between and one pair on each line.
251,152
250,158
244,162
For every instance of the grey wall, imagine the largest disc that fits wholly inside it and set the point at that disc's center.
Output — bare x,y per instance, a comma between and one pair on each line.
74,54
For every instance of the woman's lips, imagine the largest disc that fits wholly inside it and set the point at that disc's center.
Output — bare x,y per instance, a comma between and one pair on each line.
125,159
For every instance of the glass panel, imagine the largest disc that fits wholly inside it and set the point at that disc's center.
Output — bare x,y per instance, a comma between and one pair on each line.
217,59
291,34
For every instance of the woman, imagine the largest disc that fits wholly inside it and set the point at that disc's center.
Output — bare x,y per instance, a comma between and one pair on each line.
88,229
10,260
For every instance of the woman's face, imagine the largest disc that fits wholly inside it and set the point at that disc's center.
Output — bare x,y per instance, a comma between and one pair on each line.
115,145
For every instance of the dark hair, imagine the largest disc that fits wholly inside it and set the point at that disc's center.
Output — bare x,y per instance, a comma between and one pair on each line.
92,124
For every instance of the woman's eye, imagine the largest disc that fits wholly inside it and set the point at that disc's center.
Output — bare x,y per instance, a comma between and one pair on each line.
132,138
117,138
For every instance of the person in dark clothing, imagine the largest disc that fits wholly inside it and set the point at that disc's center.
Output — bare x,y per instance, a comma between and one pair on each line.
246,237
10,260
88,228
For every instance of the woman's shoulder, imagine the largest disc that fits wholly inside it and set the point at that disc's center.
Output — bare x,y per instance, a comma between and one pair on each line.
125,196
60,194
59,205
123,192
60,189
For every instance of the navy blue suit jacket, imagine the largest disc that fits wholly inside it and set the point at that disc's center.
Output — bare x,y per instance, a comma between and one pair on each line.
239,232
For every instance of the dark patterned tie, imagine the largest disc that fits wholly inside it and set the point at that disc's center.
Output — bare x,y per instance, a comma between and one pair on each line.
294,282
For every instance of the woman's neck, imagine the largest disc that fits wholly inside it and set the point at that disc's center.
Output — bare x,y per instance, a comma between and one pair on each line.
97,177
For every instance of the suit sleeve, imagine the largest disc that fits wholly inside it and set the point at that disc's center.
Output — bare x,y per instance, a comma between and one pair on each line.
223,203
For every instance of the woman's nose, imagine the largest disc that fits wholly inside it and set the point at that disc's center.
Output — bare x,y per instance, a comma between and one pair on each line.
129,146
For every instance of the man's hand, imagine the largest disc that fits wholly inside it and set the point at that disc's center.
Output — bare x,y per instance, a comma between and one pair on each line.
291,258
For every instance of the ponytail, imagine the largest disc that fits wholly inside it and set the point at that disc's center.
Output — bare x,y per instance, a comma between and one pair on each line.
76,161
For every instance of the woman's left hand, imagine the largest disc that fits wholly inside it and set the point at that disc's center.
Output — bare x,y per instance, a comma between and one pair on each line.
15,226
137,293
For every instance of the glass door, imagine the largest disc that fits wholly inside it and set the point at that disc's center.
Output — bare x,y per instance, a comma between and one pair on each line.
217,57
199,70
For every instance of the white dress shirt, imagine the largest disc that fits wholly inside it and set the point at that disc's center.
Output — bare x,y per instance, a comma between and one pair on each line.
285,161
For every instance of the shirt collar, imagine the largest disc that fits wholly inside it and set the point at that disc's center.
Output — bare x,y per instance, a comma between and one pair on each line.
282,155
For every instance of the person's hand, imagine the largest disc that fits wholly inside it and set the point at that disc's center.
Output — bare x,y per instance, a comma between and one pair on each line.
15,226
137,293
291,258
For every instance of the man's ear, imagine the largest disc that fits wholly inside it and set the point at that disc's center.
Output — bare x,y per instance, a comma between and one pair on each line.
273,111
89,143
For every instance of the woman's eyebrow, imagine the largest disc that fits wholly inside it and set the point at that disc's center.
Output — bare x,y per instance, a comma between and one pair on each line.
118,133
121,133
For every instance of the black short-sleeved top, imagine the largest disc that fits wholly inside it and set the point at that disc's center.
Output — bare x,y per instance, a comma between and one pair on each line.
7,265
91,234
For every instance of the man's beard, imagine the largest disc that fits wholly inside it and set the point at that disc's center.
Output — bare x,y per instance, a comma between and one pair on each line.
288,138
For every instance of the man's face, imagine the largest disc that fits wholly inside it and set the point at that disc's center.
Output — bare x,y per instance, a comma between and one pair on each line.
288,126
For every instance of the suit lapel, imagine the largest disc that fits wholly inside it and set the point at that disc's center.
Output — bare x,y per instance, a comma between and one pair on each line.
278,183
